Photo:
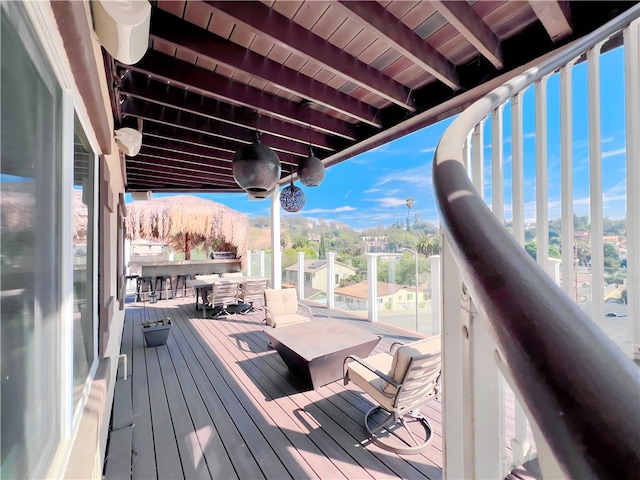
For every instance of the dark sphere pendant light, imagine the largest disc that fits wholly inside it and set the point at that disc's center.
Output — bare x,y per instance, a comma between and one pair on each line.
292,198
256,168
311,170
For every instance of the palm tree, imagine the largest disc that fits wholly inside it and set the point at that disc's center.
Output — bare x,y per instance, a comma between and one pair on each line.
410,202
428,245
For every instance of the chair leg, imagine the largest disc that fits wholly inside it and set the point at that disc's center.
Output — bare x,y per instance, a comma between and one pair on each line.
387,437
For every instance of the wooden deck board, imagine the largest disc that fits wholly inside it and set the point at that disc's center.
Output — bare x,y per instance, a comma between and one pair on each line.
216,402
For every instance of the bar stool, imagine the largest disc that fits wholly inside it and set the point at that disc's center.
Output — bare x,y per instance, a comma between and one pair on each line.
184,285
130,278
143,285
166,285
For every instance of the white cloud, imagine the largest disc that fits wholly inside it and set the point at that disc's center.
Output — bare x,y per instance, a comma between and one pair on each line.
347,194
330,210
613,153
420,175
391,201
428,150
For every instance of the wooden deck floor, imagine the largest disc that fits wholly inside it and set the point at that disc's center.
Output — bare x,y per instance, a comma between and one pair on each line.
216,402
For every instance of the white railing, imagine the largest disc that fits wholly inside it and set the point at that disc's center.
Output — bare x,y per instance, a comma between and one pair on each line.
505,315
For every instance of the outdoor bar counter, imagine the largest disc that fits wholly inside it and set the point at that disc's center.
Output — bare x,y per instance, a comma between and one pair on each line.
188,267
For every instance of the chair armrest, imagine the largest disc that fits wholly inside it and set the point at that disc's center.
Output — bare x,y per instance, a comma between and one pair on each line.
305,310
355,358
394,346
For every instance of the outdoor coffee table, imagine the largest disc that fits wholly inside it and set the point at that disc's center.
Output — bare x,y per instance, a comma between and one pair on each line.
315,350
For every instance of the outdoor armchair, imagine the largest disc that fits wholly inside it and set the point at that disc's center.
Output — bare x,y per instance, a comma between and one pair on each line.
223,294
399,382
252,291
282,308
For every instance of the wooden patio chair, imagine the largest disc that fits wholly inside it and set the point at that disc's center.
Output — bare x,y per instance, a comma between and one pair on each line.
282,308
252,291
399,382
223,294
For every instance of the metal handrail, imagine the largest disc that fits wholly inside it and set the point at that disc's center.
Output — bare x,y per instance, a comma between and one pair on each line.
578,386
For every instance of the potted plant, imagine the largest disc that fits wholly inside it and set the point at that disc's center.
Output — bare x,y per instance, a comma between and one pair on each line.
156,332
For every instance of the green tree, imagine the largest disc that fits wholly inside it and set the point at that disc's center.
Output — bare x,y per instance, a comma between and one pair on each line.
322,252
532,247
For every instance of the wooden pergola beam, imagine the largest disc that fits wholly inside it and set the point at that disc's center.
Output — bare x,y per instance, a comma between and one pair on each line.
469,24
554,16
374,17
289,35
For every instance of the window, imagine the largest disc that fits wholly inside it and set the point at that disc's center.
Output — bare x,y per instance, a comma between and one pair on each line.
409,296
30,302
84,334
337,279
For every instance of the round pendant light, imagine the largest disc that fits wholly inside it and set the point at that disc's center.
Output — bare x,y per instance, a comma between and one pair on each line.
311,170
256,168
292,198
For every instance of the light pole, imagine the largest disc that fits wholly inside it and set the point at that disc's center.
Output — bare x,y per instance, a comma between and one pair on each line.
415,256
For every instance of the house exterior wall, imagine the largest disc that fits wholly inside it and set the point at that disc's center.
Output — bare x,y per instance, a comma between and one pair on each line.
78,450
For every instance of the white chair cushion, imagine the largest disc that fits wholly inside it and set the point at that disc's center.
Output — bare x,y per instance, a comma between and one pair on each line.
402,358
289,319
281,302
369,381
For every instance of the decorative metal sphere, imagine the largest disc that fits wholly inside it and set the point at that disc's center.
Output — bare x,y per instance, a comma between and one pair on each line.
292,198
311,170
261,195
256,168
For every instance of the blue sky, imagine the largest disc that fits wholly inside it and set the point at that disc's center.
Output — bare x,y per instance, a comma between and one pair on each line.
371,188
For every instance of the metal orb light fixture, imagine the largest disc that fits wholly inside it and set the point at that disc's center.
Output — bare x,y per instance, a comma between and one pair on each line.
256,168
292,198
311,170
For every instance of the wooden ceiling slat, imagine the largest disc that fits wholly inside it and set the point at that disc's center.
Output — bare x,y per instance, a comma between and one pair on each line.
398,66
345,33
279,54
328,23
187,169
163,47
519,20
469,24
174,7
310,69
197,151
177,177
221,26
203,43
309,13
198,13
417,15
174,117
261,45
241,35
227,148
400,9
166,68
295,62
288,8
294,40
162,94
181,161
373,16
360,42
187,56
208,64
430,26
